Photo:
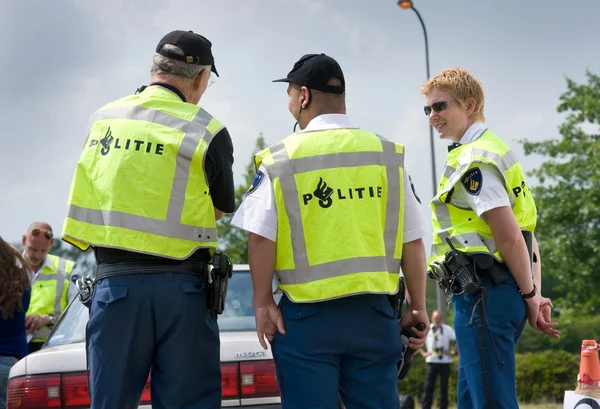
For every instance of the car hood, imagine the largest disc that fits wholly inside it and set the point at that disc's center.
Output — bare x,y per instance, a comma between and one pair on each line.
235,346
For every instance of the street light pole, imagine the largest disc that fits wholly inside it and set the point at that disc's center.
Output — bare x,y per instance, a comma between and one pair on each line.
408,4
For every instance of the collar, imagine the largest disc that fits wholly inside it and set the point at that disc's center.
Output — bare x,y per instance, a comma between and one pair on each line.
473,132
47,263
170,87
328,121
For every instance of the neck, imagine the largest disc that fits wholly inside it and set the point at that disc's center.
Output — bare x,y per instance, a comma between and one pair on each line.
459,137
308,115
181,85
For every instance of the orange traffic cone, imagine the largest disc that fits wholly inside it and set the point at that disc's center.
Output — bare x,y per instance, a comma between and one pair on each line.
588,380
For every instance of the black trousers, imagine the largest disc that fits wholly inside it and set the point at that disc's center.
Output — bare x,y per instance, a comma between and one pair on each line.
430,377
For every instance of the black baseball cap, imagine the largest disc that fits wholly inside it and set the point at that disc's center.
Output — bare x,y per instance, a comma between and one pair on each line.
314,71
197,49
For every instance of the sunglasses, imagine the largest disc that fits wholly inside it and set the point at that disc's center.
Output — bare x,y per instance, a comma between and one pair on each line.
436,107
36,232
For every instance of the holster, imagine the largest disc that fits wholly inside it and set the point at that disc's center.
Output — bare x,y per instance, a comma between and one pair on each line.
397,300
218,280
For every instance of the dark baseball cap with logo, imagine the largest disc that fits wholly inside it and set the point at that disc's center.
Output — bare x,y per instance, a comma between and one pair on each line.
196,48
314,72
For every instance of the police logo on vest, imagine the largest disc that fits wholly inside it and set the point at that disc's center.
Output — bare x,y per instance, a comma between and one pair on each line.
129,144
472,181
325,194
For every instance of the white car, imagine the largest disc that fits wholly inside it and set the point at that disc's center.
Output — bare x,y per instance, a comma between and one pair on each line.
56,376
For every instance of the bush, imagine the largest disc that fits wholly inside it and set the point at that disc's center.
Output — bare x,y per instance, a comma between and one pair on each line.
572,333
541,377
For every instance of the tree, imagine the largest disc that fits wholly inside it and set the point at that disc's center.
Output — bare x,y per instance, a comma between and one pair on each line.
568,201
234,241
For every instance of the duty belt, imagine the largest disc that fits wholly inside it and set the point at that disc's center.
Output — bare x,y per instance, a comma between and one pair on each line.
127,268
85,284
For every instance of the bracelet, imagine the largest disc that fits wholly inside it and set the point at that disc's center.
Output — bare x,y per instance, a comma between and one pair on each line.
529,295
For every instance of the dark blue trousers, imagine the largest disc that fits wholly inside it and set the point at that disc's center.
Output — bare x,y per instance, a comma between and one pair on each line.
156,323
350,346
483,363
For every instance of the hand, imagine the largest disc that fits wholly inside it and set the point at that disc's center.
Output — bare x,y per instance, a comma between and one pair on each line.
410,319
268,322
544,322
34,322
533,309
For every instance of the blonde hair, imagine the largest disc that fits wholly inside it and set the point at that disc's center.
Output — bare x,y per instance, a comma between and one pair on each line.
462,85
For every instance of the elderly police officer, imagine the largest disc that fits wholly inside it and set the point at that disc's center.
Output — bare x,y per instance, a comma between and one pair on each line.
154,176
52,285
485,209
331,213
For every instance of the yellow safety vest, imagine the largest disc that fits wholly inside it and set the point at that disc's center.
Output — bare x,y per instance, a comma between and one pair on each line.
49,292
340,209
140,183
467,232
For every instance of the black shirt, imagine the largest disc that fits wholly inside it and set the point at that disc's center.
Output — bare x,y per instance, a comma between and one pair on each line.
218,167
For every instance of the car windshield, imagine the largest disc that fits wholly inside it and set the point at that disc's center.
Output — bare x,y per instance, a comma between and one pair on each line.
237,316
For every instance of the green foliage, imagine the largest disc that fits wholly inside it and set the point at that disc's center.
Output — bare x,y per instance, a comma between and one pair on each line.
541,377
568,200
234,241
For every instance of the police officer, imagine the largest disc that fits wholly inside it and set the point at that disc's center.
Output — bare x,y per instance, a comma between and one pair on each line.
52,287
486,210
332,213
153,178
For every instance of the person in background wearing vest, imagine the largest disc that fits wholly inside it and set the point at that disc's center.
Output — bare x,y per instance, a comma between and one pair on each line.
485,208
15,295
438,358
332,213
154,177
52,287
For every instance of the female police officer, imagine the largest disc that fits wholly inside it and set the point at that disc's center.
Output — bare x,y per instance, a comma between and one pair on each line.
485,209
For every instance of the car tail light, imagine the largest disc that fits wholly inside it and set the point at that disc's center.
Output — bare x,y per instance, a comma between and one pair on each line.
55,391
75,391
230,381
70,390
33,392
258,379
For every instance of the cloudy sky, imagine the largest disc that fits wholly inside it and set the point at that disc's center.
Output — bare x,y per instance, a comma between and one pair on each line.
63,59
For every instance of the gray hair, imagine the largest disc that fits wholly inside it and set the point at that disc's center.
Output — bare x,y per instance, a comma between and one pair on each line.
162,65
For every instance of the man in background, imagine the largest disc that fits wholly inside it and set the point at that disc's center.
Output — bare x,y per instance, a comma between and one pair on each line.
438,358
51,285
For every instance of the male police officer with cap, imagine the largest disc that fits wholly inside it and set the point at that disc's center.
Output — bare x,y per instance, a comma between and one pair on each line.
332,214
154,176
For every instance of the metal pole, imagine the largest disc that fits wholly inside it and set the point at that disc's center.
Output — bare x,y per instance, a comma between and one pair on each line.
439,294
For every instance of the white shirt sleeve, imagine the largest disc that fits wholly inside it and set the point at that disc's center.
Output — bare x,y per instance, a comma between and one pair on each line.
491,195
258,212
415,226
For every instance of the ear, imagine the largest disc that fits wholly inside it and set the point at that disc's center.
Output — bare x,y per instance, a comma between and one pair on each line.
199,78
305,94
24,240
470,106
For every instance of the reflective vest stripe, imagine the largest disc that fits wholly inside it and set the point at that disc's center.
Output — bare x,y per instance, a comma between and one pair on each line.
166,228
448,171
285,168
202,127
61,276
469,240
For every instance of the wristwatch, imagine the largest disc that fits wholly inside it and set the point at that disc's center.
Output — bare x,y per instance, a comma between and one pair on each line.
52,319
529,295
